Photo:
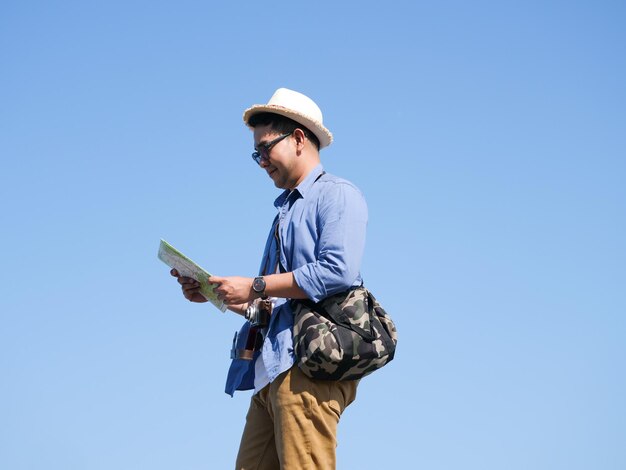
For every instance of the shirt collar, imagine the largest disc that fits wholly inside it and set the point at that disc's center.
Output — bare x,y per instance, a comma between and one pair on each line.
303,187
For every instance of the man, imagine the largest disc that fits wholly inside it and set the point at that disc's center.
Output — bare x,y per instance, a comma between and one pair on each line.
314,250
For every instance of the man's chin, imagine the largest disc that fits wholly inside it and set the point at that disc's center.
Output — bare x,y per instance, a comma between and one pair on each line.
278,182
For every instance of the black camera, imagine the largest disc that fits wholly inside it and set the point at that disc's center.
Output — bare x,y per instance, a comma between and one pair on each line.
258,313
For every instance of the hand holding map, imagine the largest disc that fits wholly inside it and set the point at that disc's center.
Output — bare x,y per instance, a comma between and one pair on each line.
187,268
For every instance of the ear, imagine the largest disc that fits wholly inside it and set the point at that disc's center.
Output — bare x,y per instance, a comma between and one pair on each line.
300,139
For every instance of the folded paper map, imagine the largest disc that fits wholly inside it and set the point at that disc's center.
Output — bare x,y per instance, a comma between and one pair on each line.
187,268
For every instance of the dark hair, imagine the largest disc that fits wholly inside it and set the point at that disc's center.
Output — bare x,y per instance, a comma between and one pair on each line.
281,125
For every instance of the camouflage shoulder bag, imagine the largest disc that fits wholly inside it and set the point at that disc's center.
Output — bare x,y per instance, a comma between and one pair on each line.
343,337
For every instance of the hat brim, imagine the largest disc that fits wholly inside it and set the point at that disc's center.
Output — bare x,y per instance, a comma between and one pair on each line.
323,135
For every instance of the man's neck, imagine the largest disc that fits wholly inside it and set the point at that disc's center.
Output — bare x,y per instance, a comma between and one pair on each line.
308,168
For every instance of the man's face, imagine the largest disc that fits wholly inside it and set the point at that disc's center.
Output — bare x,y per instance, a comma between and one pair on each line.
280,166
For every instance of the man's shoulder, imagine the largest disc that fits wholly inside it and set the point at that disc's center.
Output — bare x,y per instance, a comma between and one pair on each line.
328,179
332,189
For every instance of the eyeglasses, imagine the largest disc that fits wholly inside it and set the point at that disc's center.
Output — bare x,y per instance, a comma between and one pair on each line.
263,150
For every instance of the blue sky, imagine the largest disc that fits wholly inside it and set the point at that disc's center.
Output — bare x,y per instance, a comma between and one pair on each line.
488,138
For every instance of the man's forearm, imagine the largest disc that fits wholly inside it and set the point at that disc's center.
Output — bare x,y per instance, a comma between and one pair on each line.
239,309
284,286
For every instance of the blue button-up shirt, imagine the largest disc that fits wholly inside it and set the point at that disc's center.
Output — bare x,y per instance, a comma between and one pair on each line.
321,225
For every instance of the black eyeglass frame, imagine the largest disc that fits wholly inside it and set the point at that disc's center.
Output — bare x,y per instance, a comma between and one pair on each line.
263,150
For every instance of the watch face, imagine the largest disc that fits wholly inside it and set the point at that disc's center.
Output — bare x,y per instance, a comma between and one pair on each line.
258,285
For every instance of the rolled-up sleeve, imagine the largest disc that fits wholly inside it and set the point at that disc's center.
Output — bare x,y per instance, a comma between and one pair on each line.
341,226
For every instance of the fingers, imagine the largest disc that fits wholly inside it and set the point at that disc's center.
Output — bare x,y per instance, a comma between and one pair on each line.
195,297
182,280
190,287
215,280
217,289
191,291
231,290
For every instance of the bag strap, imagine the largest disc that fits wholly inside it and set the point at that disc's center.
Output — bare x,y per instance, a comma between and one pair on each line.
385,338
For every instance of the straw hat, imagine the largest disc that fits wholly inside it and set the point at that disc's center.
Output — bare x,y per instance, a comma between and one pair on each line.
298,107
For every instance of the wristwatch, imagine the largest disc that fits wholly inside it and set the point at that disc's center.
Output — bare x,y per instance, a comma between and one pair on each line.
258,286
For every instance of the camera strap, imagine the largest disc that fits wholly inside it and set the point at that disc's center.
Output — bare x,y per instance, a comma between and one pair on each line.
276,241
255,338
278,266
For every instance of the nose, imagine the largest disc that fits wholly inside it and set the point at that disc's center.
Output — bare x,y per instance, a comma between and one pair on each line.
264,162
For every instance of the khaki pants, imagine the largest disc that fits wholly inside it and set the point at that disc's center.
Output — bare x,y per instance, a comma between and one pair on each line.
292,423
